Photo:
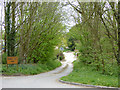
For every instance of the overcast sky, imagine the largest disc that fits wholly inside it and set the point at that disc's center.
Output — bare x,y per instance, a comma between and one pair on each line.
1,13
69,22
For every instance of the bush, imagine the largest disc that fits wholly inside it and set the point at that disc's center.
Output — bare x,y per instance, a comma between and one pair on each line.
71,43
30,69
4,58
66,50
59,54
60,57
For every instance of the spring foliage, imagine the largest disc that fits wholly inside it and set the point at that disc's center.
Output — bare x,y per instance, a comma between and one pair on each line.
96,35
35,32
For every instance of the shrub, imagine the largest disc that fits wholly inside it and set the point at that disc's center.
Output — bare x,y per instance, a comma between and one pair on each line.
4,58
61,56
71,43
30,69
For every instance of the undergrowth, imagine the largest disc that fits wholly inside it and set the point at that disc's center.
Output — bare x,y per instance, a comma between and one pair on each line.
86,74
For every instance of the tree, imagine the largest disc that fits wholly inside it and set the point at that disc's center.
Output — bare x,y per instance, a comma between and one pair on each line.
71,43
7,27
119,32
33,30
96,33
13,30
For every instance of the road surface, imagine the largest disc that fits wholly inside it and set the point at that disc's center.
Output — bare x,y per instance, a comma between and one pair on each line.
44,80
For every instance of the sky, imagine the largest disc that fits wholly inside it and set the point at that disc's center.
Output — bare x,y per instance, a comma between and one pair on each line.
1,14
69,23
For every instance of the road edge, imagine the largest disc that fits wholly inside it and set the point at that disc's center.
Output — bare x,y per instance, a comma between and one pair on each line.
94,86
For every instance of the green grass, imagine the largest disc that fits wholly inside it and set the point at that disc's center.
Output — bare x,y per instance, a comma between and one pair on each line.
29,69
86,75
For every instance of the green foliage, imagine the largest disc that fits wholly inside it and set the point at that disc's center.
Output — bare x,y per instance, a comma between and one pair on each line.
30,69
4,58
60,57
38,31
45,35
10,28
59,54
87,75
65,50
94,52
95,36
71,44
87,57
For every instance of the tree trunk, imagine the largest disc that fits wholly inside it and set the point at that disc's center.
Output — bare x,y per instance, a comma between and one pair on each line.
8,28
119,42
119,34
21,47
5,27
13,30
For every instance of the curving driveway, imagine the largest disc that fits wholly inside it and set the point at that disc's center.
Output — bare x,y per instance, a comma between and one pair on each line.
44,80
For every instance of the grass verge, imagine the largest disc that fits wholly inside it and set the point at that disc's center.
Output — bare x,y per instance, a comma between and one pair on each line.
86,75
29,69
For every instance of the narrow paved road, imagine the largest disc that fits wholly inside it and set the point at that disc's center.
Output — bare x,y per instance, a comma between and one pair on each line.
44,80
